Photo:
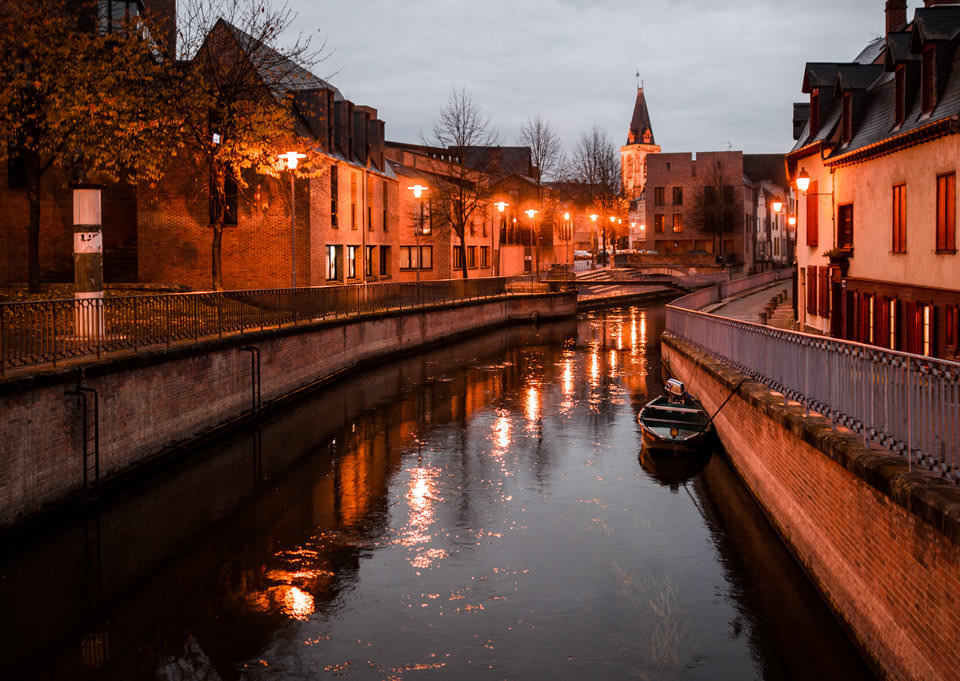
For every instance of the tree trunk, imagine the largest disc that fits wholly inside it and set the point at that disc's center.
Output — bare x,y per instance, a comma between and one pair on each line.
215,255
33,232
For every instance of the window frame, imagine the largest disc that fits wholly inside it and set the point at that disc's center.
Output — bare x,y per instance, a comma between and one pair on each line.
899,219
947,213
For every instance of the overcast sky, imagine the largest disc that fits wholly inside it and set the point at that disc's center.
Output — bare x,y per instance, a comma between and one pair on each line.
717,74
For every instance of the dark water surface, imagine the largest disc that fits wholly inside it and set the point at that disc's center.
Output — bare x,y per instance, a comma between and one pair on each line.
478,512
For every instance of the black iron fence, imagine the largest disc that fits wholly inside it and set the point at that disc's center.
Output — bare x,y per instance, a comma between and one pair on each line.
46,332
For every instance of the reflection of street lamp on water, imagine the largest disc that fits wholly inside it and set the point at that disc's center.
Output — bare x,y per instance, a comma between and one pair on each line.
292,158
418,190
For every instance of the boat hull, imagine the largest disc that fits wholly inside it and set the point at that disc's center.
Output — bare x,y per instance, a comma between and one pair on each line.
674,424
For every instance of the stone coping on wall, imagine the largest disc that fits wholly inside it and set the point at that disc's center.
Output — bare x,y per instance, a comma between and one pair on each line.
926,495
30,378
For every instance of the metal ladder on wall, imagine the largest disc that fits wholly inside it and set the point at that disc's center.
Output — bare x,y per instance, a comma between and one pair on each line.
89,402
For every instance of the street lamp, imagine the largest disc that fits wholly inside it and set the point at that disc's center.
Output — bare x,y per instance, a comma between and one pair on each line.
593,219
418,190
293,158
531,212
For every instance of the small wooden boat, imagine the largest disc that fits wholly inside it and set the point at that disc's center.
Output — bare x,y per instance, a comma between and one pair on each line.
675,421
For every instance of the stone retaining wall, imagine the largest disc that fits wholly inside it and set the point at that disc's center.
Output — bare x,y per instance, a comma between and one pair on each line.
150,402
881,543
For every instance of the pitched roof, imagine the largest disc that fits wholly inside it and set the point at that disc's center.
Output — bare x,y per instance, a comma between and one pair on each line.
640,123
874,129
280,73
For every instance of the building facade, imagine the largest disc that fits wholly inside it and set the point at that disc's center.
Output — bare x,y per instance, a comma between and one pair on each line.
877,153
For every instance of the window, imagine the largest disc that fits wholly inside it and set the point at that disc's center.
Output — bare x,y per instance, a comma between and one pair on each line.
845,226
900,95
334,195
113,14
813,215
333,263
386,206
823,288
458,257
484,256
384,261
869,322
369,218
370,192
426,225
352,261
926,320
950,322
892,323
677,222
811,289
899,218
678,196
846,118
658,196
946,213
353,200
472,257
412,257
658,223
928,77
368,260
16,167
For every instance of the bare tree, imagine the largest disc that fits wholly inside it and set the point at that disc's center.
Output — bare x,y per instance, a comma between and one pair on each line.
715,209
461,128
546,152
236,100
596,166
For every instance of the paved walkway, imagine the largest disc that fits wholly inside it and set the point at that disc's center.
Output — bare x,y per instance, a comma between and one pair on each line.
749,307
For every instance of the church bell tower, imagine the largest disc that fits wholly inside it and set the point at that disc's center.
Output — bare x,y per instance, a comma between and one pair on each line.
633,155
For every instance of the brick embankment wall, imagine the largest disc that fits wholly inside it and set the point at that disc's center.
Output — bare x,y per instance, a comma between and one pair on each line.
881,543
152,401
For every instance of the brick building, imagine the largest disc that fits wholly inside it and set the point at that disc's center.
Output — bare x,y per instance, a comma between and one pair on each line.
879,145
344,209
119,203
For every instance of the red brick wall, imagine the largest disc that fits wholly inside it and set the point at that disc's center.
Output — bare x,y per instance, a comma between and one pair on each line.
118,208
881,543
161,398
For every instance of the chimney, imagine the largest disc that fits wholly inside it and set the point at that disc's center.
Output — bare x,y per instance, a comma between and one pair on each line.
896,15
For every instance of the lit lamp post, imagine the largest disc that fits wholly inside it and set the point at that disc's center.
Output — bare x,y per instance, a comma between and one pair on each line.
418,190
568,233
501,205
530,214
293,158
593,219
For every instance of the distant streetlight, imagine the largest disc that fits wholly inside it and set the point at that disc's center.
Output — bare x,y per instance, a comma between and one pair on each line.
530,213
418,190
777,206
292,158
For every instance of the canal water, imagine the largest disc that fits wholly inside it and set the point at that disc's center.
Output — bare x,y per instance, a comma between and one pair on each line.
483,511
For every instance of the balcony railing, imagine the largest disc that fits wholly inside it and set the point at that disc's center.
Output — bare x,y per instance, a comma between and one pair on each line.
907,403
47,332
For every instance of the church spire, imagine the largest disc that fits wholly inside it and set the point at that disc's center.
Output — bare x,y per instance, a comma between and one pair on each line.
641,132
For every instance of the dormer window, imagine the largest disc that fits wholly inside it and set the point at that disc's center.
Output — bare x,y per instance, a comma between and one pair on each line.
928,84
814,111
847,119
114,15
900,95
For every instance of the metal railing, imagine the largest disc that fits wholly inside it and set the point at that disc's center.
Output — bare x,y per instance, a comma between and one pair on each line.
907,403
45,332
